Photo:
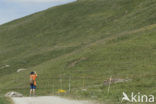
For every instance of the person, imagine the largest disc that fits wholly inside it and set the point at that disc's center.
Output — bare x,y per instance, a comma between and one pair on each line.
33,76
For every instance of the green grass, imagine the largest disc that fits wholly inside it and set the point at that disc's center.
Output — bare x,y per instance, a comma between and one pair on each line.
87,41
4,100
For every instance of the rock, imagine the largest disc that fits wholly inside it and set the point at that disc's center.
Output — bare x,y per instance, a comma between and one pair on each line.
4,66
84,89
13,94
19,70
7,65
117,80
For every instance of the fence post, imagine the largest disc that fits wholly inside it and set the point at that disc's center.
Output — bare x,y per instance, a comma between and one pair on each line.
69,84
84,83
61,83
53,87
110,79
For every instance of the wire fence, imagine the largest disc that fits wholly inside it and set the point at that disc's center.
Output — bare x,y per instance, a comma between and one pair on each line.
70,84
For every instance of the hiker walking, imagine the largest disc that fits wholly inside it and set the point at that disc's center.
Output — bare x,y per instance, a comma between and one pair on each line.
33,76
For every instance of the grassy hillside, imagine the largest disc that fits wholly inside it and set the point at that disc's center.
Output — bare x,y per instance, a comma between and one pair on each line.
87,41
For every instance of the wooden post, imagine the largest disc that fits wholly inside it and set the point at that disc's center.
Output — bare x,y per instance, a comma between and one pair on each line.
69,84
53,87
110,80
84,83
61,83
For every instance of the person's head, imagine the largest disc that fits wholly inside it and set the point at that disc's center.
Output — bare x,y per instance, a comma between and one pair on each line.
32,73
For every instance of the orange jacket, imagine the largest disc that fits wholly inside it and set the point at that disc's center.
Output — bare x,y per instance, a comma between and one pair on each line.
34,78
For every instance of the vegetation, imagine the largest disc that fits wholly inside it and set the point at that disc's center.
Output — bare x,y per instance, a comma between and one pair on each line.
86,41
4,100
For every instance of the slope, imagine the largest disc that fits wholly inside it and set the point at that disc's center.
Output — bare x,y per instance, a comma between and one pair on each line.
88,41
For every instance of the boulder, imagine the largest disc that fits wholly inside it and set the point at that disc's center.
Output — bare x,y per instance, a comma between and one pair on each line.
19,70
13,94
116,80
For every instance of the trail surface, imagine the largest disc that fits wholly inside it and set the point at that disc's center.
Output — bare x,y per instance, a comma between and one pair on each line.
46,100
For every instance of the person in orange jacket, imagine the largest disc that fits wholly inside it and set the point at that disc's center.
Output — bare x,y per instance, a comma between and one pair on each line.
33,76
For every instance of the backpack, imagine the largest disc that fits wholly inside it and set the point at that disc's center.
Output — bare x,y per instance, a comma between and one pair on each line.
31,80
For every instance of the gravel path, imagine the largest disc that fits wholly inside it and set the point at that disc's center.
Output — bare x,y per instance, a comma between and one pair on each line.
46,100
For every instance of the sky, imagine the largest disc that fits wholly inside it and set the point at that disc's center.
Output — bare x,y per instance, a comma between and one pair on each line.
14,9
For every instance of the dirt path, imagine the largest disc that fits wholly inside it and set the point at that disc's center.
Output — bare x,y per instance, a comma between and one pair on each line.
46,100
